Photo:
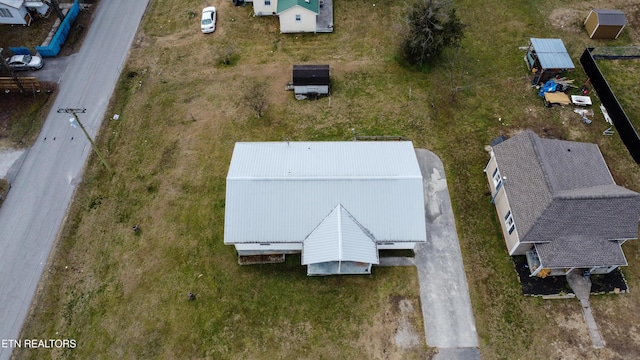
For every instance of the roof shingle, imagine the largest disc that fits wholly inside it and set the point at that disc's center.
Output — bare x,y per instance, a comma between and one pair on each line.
564,199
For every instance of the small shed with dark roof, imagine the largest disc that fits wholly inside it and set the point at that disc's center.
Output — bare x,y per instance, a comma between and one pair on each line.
310,80
605,23
559,205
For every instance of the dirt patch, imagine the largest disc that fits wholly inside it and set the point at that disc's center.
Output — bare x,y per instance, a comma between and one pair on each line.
571,19
568,19
406,335
14,104
393,333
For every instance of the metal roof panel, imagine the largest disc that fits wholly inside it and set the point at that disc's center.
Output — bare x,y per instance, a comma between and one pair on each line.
552,54
279,192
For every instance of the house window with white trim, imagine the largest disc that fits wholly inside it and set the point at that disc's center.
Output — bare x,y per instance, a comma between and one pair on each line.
267,2
497,179
508,220
298,18
4,12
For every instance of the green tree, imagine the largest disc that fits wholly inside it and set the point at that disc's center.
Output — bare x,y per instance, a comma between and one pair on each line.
432,25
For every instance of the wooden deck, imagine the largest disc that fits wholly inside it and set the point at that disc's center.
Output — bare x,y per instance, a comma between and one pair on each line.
261,259
8,84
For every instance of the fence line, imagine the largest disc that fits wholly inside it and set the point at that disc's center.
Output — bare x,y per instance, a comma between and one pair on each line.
59,38
22,50
625,128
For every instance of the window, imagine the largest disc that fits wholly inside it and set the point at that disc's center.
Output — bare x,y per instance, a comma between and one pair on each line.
298,17
267,2
4,12
508,220
497,179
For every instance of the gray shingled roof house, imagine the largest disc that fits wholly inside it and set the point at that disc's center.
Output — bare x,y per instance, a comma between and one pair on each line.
559,205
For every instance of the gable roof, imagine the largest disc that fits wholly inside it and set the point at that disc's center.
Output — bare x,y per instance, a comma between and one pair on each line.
279,192
17,4
311,5
311,75
552,54
561,189
339,237
580,252
609,17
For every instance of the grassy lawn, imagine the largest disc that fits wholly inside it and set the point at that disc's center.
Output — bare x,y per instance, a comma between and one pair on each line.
624,77
121,294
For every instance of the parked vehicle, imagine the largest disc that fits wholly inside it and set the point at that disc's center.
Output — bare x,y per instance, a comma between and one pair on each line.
25,62
208,22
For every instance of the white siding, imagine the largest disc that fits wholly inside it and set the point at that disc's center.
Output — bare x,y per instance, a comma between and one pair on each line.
501,203
16,11
273,246
289,24
259,7
397,246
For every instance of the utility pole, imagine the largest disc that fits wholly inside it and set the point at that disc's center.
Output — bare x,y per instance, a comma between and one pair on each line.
56,7
75,122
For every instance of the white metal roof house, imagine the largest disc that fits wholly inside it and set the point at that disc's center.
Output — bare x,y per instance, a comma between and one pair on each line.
558,204
17,11
336,203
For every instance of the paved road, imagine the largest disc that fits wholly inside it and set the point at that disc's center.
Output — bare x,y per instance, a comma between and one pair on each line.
54,69
444,294
31,215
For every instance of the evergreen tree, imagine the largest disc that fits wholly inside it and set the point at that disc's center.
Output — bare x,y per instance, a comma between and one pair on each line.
432,26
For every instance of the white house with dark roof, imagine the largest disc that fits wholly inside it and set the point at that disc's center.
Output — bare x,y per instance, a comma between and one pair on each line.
558,204
336,203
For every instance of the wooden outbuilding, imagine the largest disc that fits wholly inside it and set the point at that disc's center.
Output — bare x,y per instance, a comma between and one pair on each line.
605,24
547,58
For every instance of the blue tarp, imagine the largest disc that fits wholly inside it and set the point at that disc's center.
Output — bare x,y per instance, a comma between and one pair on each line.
550,86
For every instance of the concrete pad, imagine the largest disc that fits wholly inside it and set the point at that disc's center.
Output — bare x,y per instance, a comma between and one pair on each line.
8,159
444,294
581,286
